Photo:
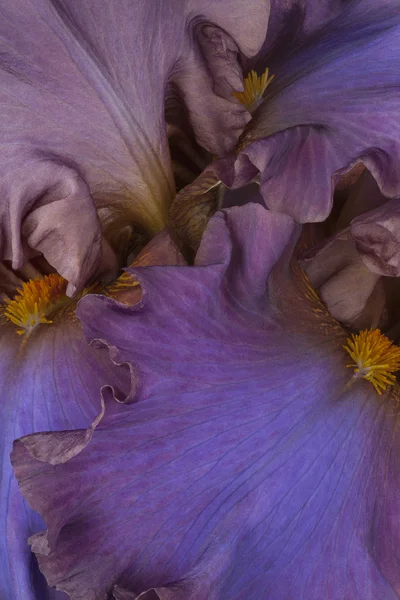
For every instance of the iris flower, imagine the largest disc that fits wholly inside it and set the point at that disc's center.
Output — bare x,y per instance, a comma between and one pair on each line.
230,429
86,178
253,463
325,99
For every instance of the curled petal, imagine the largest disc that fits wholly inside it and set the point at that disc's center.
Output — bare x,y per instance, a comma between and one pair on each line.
75,251
347,268
82,122
377,236
247,468
52,380
207,77
333,102
351,291
216,118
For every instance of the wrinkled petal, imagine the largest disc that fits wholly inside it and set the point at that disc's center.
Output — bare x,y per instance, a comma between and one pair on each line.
377,236
211,66
334,102
247,468
82,115
52,380
344,283
372,220
347,268
217,123
51,383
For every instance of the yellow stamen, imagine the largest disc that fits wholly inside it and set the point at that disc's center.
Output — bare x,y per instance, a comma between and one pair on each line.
254,88
35,301
375,357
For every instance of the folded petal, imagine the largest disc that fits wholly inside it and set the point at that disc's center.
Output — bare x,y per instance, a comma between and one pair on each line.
82,121
347,268
345,283
211,66
51,379
334,101
372,220
377,236
247,468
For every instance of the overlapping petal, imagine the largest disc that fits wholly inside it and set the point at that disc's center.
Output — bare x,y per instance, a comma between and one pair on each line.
348,268
248,467
82,122
52,379
344,283
334,101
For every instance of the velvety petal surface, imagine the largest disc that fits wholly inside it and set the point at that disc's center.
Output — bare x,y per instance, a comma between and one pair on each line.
247,467
82,114
334,101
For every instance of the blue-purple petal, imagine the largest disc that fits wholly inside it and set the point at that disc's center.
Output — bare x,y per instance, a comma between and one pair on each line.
50,381
53,380
247,467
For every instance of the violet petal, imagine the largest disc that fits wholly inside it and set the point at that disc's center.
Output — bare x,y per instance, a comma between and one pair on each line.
51,381
334,102
82,121
247,468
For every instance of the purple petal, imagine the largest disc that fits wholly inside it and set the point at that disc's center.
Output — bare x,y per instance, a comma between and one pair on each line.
82,120
292,22
347,268
245,469
334,101
210,73
50,381
377,236
373,222
351,291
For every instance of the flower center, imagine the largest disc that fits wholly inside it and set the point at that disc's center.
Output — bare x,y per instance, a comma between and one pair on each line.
254,87
375,358
35,301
